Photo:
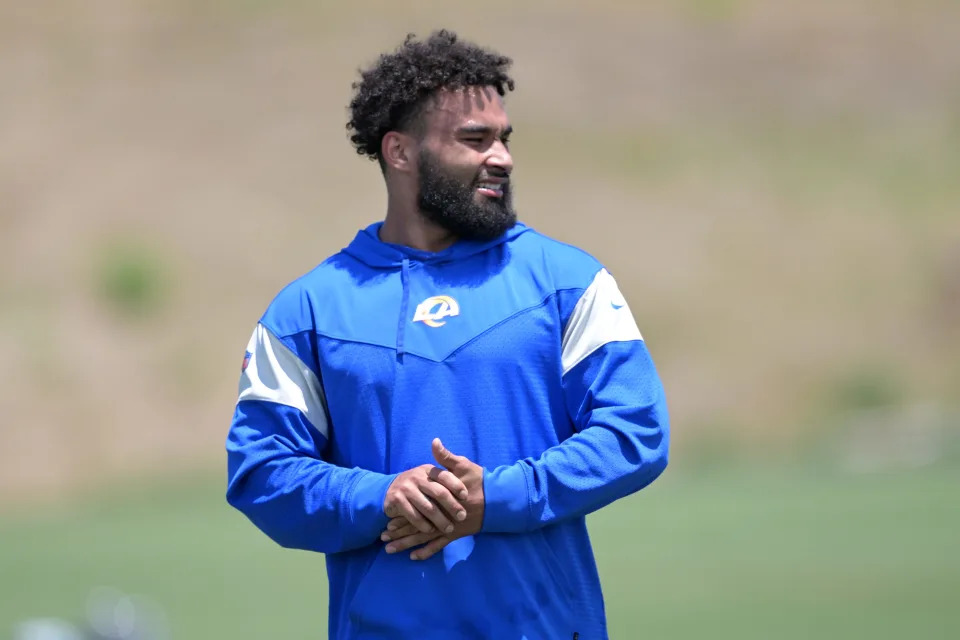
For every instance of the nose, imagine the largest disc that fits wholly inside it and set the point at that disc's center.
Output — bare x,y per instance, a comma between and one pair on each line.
500,158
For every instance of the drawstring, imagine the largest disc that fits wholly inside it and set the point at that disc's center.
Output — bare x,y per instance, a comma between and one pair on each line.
402,324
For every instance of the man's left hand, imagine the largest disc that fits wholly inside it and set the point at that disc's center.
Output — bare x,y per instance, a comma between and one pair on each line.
401,535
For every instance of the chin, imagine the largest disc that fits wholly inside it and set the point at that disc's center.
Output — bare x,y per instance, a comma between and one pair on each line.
479,198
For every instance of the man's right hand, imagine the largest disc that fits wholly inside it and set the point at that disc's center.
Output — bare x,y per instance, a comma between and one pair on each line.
427,497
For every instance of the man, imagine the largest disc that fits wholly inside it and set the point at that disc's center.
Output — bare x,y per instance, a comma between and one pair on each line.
439,405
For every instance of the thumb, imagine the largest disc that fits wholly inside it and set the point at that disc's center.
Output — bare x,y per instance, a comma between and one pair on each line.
443,457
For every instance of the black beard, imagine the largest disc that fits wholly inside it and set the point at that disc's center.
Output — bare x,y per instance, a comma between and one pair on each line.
449,203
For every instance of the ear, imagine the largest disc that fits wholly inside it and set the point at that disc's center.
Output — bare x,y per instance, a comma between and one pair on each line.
397,151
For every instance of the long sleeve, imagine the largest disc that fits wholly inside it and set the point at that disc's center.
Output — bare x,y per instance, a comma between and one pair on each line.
617,404
276,472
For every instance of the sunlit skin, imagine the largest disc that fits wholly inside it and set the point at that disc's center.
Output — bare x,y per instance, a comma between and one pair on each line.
464,520
468,131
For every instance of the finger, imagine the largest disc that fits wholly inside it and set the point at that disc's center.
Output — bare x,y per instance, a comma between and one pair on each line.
391,510
410,541
402,532
453,484
410,512
442,497
430,548
431,511
396,523
443,457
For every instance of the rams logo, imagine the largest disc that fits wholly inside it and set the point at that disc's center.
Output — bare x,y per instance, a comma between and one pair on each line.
434,309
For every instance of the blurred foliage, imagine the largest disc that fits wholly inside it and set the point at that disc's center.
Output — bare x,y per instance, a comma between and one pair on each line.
132,279
868,387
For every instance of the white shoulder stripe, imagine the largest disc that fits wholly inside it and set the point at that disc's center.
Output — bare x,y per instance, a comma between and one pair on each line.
600,317
275,374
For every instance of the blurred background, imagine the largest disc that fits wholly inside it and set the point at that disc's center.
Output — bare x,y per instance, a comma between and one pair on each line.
776,187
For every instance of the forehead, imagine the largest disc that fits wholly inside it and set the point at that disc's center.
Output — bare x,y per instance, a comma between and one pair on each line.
451,109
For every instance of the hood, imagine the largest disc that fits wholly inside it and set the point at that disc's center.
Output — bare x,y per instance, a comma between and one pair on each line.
373,252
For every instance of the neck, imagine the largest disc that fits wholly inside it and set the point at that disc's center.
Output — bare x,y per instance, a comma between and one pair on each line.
406,226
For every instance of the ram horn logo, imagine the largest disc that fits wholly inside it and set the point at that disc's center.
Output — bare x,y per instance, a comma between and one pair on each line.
434,309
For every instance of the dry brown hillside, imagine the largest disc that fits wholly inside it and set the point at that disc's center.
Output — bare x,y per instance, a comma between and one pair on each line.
775,187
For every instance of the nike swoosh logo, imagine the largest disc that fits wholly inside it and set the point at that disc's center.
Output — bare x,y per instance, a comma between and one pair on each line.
616,306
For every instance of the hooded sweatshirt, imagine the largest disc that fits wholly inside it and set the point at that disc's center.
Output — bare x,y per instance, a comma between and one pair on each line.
520,354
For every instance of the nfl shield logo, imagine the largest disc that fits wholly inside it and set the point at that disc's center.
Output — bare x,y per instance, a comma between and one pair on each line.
246,361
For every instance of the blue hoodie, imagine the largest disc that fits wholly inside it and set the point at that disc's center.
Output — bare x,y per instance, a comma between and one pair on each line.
519,353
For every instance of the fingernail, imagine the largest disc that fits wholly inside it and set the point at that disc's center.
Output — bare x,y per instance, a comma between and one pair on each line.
414,556
391,548
385,537
449,529
391,527
463,495
461,515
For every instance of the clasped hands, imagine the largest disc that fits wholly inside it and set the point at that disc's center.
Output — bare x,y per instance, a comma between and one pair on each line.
434,505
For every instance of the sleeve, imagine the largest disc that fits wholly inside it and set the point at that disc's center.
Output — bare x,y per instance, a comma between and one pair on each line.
616,400
276,472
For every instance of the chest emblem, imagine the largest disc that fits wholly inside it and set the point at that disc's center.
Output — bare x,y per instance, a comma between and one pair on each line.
434,309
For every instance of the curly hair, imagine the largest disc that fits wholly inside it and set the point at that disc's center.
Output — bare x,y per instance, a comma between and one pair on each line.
391,95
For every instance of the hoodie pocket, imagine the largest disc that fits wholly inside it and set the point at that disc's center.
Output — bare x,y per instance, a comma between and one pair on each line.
397,596
556,566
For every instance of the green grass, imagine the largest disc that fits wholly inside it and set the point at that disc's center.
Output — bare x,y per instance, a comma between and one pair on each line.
727,553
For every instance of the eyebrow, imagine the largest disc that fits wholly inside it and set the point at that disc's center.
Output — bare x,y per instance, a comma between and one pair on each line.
482,129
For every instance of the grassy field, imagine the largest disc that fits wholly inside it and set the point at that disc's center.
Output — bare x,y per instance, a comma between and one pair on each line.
730,553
